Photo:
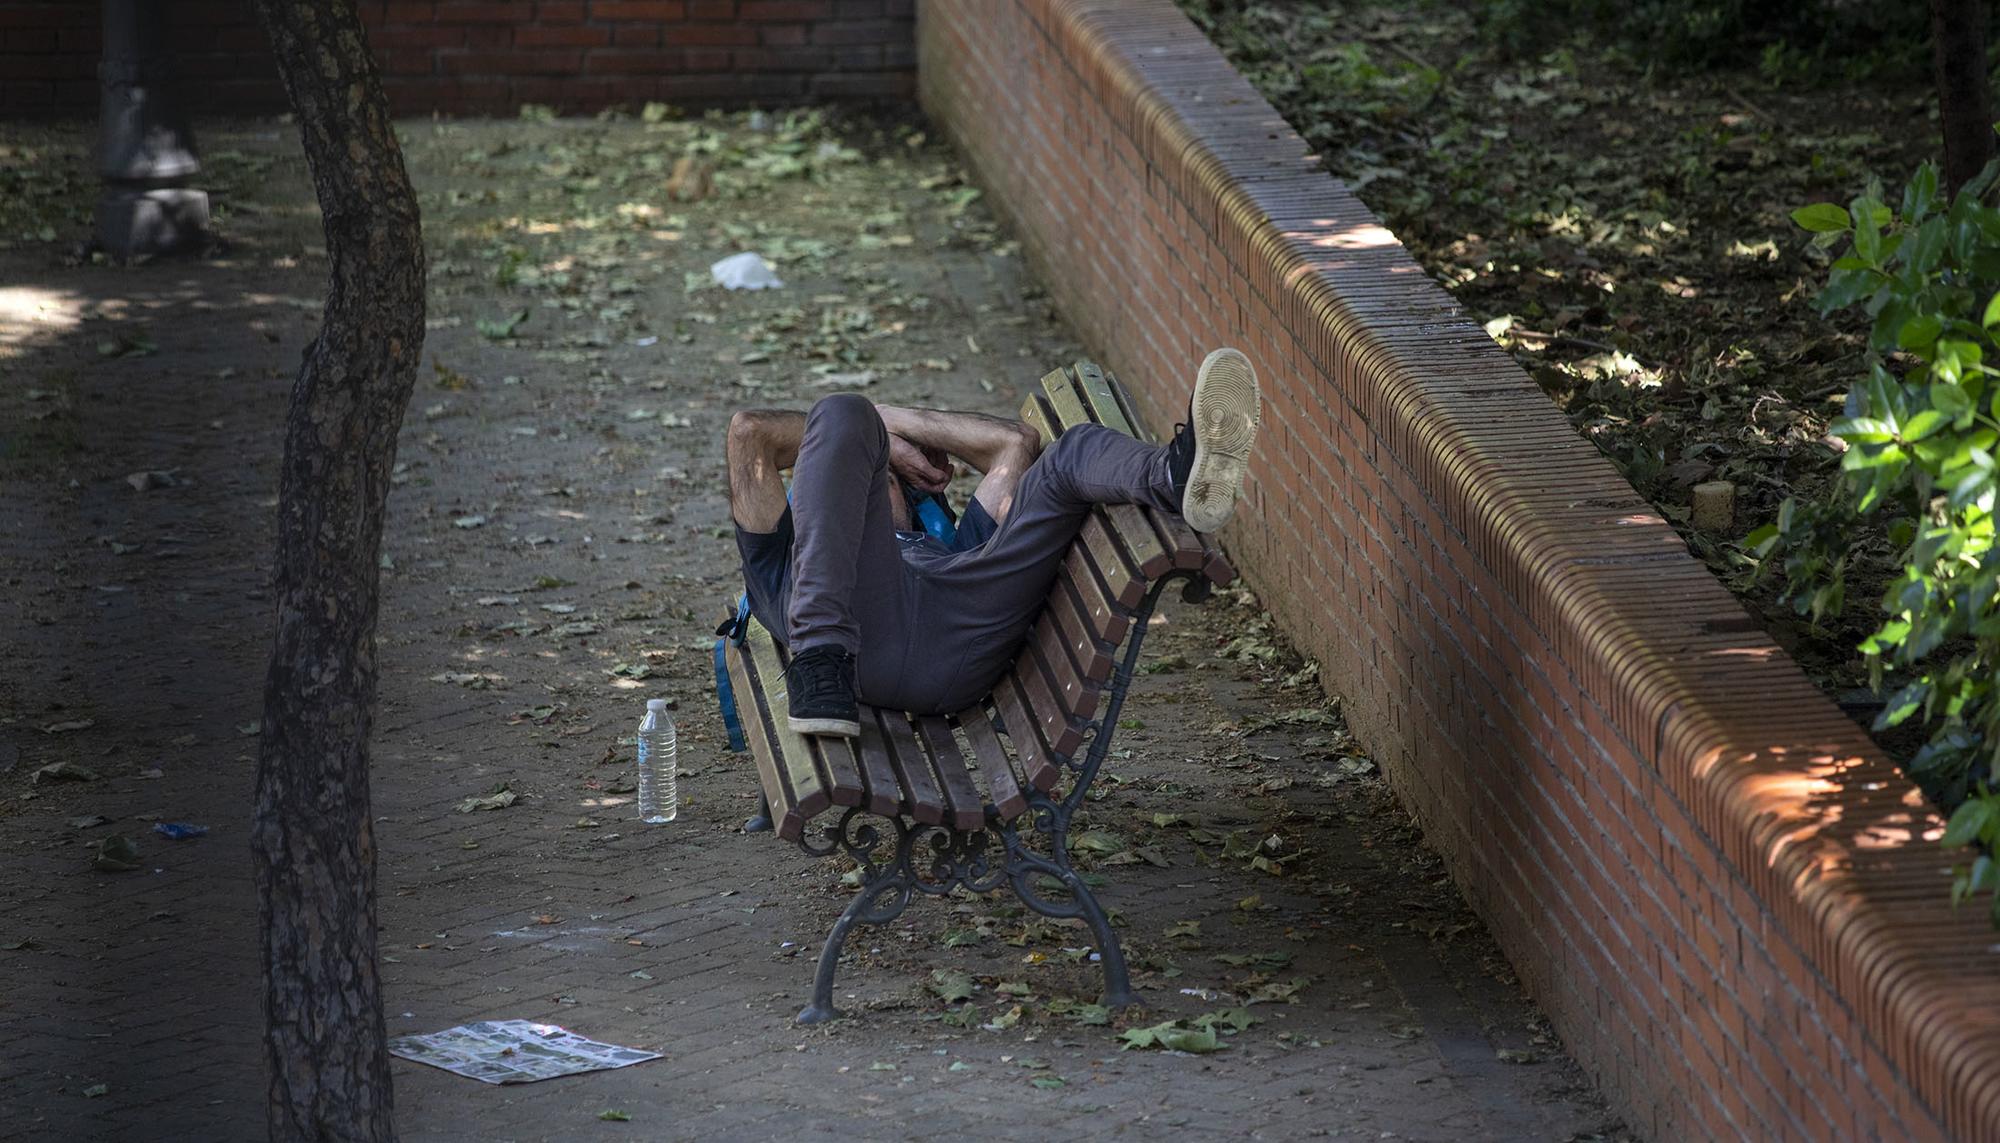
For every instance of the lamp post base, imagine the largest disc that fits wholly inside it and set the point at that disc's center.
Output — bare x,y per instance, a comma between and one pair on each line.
151,223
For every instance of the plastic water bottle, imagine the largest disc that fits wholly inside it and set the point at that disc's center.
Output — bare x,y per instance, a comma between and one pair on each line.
659,794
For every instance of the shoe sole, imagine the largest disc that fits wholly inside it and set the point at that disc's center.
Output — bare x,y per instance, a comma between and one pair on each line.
1226,410
834,727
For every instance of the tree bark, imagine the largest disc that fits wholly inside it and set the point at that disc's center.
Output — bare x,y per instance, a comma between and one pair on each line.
1965,105
313,839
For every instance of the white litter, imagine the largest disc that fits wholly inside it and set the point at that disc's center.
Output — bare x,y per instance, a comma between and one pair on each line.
859,380
514,1051
745,271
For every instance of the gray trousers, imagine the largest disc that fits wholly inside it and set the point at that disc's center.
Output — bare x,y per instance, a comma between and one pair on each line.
933,629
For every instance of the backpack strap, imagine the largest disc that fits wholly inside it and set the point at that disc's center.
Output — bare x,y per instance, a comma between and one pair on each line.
734,629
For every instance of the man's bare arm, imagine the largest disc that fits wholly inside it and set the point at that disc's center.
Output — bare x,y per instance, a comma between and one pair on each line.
975,438
762,443
1000,449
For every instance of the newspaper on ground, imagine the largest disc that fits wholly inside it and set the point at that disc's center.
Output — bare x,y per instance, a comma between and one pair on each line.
514,1051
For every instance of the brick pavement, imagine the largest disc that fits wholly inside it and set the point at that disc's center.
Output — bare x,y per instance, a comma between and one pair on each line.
692,939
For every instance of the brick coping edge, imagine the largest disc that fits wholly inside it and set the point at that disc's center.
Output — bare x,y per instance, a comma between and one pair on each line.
1836,847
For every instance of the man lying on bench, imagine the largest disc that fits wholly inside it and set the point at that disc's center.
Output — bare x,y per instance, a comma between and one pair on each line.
896,618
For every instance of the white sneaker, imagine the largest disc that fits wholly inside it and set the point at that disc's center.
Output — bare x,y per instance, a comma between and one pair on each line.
1210,454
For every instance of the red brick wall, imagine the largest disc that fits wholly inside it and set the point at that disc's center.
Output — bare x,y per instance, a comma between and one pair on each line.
1717,888
494,55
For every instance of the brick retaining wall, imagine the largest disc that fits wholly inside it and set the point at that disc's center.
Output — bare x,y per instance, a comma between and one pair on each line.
494,55
1715,885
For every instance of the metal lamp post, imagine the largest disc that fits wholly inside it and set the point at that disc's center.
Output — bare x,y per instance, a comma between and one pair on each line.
145,149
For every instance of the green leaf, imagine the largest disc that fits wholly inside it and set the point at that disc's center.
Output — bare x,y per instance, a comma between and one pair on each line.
1992,317
1921,194
1821,217
1867,230
1923,424
1173,1037
504,328
1902,705
1097,841
1845,287
1920,332
1924,251
613,1115
1985,874
1864,430
1967,352
951,985
1234,1019
1967,822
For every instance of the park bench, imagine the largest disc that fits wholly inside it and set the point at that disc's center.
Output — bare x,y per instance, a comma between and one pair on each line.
984,798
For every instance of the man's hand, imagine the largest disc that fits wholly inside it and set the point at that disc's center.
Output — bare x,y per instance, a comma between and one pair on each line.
925,469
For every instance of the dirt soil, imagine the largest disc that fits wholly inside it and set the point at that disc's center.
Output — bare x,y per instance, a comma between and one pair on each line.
557,552
1621,224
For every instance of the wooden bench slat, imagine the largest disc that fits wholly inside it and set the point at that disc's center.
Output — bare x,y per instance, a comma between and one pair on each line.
1036,763
967,809
1064,399
885,794
922,799
1106,620
843,774
1215,565
1095,388
757,734
1091,655
1062,732
1141,539
1122,581
808,789
1046,635
1036,413
1001,781
1123,400
1184,547
1076,690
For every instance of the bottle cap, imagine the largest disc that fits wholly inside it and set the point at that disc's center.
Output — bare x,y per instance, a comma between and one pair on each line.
656,704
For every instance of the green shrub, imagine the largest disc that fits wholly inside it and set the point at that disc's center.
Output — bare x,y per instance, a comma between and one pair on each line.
1919,436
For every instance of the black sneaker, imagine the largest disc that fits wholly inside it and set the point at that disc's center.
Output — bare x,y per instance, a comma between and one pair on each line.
820,685
1211,452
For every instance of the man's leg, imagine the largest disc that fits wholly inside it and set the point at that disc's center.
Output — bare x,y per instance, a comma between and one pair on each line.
762,443
845,554
850,598
1086,466
999,587
986,597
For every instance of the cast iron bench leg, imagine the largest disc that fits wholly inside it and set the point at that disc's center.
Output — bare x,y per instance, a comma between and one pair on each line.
1117,983
761,820
1022,866
890,888
885,893
868,908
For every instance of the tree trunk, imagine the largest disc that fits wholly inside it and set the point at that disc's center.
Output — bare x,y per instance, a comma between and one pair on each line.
1958,53
313,839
